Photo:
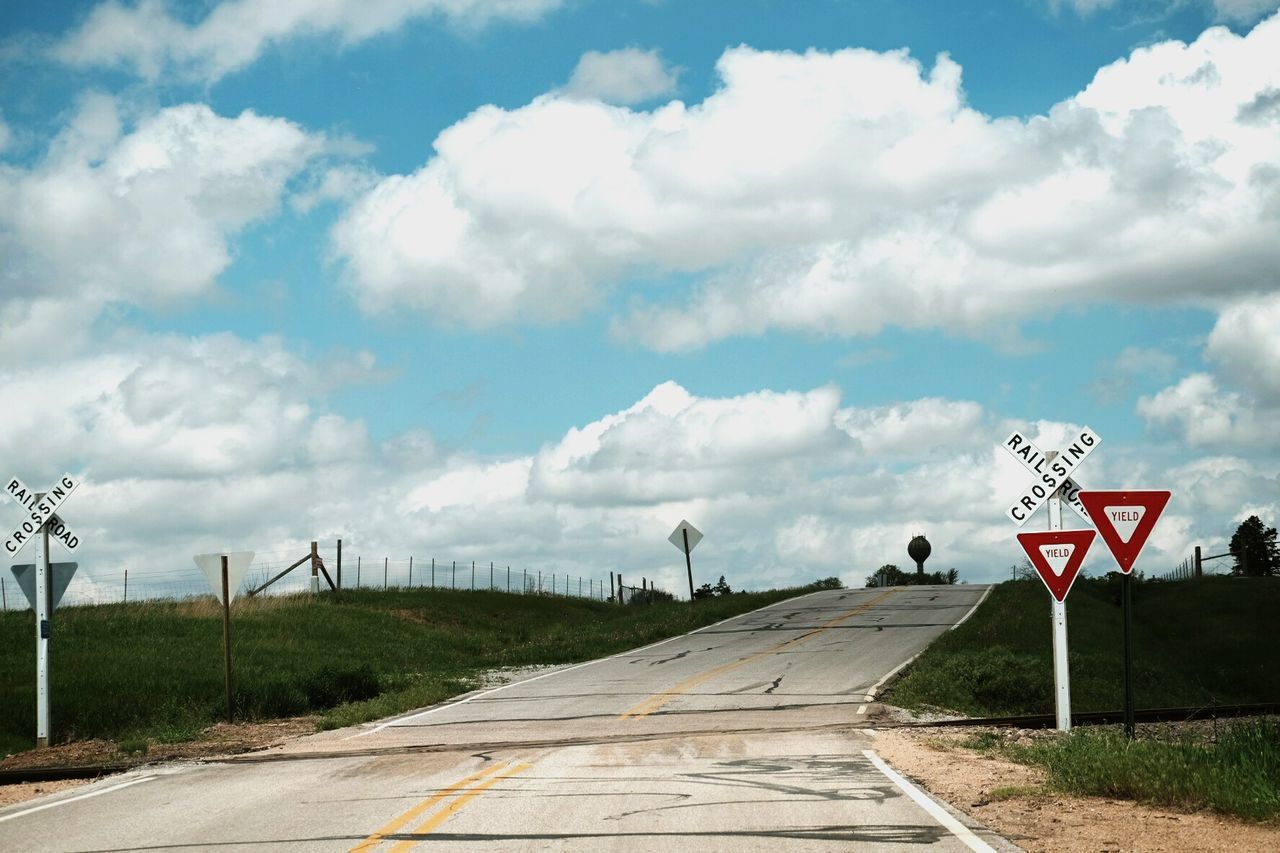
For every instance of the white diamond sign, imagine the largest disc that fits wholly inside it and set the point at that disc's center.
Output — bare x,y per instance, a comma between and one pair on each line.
237,565
677,536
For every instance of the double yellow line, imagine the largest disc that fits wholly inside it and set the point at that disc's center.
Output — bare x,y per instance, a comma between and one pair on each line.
469,787
658,700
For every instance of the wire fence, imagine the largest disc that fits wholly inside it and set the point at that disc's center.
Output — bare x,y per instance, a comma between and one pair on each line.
140,584
1198,563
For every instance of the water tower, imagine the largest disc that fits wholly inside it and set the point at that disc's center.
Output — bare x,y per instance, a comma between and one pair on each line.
919,550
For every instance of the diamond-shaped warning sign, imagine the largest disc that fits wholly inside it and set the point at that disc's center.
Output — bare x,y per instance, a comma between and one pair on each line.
1057,556
1124,520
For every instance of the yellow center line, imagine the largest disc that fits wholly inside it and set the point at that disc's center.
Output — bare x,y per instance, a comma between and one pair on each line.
656,701
445,813
399,822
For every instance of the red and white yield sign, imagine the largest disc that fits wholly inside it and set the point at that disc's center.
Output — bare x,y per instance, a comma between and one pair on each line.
1125,519
1057,556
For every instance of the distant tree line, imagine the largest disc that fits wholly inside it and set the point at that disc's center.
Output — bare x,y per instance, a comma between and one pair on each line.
891,575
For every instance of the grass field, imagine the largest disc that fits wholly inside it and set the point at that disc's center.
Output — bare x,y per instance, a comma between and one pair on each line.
128,672
1232,768
1201,642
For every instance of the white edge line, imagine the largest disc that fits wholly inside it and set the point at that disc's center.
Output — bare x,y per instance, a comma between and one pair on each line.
419,714
937,812
875,688
973,609
98,793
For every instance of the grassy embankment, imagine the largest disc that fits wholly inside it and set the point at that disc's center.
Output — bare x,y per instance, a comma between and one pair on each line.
153,670
1194,643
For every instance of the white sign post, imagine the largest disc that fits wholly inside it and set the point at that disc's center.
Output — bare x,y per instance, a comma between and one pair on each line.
1052,472
40,507
685,537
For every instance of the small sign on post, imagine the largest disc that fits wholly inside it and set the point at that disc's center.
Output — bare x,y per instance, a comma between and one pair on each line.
1057,559
686,537
40,508
225,571
1125,520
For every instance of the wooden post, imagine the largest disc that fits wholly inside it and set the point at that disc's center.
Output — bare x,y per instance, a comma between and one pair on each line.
339,564
1199,563
610,585
315,568
358,559
410,571
226,638
384,572
126,586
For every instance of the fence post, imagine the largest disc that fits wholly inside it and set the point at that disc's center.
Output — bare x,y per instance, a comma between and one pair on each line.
126,587
508,579
473,575
1199,563
410,571
455,575
358,571
491,575
384,572
339,564
433,572
315,568
524,587
620,587
4,595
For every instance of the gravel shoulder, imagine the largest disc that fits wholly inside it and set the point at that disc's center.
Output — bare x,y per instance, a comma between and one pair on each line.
1012,800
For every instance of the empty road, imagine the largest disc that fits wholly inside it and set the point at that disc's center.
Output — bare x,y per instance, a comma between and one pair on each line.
753,734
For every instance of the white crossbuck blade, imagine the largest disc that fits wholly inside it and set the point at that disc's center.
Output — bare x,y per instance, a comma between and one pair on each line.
1052,475
40,510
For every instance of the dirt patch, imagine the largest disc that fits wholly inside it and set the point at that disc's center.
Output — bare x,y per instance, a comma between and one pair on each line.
218,740
1012,800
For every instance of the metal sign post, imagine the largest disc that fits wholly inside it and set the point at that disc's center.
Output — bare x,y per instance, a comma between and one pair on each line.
686,537
35,528
1053,472
1058,609
44,630
226,636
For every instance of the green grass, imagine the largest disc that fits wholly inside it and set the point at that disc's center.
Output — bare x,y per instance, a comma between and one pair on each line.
154,670
1234,771
1202,642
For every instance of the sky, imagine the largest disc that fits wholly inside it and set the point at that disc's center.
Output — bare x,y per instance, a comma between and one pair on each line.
531,281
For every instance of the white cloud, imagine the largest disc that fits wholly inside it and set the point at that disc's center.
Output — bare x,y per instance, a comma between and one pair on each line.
840,193
787,486
1244,11
627,76
1245,343
1203,414
144,216
150,39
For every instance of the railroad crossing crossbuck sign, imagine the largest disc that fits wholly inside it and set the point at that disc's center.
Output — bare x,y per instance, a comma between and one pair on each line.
41,510
1051,473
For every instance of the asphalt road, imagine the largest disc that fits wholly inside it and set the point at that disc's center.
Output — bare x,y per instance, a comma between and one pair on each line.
753,734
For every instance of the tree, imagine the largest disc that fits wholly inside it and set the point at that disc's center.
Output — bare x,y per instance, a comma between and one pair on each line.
722,588
1254,547
889,575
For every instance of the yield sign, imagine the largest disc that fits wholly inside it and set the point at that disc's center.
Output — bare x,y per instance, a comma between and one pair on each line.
237,564
1057,556
1125,520
25,574
677,536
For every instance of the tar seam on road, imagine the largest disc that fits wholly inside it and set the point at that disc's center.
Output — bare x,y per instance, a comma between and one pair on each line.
474,696
399,822
34,809
656,701
937,812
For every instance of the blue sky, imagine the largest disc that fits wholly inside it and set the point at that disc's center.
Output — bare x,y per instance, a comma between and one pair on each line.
530,280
